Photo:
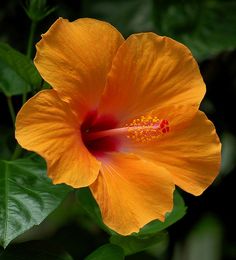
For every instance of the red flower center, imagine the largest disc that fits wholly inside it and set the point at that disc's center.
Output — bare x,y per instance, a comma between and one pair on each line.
97,144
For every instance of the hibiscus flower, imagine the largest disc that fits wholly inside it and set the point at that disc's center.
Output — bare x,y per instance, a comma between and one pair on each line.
122,118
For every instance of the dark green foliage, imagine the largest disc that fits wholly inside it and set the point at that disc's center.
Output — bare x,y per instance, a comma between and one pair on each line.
27,197
17,72
107,251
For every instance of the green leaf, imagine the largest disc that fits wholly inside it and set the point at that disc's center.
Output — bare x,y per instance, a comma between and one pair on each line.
128,16
27,197
106,252
199,25
133,244
36,250
207,27
176,214
17,72
10,82
89,204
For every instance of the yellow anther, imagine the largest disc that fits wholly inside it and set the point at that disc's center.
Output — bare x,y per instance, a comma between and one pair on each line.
147,128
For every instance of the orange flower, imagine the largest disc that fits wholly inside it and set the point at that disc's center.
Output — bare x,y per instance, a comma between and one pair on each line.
122,118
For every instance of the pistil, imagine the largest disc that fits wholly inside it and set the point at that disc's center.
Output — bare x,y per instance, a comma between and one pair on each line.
142,130
105,133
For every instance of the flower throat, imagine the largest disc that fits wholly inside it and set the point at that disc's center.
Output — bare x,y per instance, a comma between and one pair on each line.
101,133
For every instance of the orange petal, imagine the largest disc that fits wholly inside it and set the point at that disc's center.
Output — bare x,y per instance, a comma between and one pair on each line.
75,57
47,126
191,155
150,72
131,192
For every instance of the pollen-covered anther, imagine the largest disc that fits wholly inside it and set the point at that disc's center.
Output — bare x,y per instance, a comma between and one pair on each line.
147,128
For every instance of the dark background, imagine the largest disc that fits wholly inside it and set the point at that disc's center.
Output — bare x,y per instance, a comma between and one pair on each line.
207,232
